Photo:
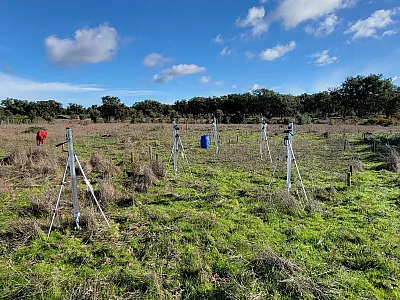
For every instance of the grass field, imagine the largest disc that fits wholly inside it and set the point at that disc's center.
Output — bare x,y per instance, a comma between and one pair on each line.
213,232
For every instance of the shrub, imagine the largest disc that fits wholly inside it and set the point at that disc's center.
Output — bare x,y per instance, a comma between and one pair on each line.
33,129
303,119
391,156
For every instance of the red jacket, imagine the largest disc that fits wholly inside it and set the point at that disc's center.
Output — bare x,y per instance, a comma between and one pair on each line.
41,137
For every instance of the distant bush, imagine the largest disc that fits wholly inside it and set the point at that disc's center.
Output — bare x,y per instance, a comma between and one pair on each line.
33,129
381,121
303,119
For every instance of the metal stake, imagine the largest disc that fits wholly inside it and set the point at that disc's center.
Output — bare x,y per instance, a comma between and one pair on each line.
289,156
72,171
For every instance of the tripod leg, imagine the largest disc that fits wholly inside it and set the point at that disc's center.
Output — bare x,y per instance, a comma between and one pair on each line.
91,190
170,157
276,166
169,161
59,196
269,152
298,172
185,157
175,152
261,145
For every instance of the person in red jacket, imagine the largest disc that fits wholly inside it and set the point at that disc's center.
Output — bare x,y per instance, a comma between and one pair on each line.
41,136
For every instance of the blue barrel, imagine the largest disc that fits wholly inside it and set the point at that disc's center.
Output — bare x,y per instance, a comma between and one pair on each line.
205,141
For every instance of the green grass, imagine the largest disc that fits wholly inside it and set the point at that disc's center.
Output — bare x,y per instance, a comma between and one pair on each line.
215,234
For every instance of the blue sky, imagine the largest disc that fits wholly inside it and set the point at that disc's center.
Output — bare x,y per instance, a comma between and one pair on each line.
78,51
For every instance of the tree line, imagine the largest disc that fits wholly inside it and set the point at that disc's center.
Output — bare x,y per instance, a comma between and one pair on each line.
360,96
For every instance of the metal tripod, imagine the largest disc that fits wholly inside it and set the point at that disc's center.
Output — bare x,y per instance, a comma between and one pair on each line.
70,162
288,142
264,140
175,149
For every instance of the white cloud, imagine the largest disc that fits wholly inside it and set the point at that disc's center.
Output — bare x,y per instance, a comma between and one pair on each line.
254,19
390,32
294,12
278,51
205,79
218,83
324,59
21,88
263,1
275,88
90,45
10,83
234,86
256,86
395,79
177,71
218,39
127,92
369,27
249,54
225,51
325,27
155,59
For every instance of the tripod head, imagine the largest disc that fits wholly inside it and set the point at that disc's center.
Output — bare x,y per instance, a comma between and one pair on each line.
288,132
67,138
175,129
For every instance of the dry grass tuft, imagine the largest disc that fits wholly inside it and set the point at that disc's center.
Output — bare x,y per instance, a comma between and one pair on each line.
36,159
269,260
284,201
390,155
141,177
285,275
357,164
108,193
21,231
5,186
98,163
293,203
158,169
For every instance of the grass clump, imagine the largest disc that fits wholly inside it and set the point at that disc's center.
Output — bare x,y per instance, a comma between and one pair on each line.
36,159
291,203
286,276
99,164
108,193
143,176
391,156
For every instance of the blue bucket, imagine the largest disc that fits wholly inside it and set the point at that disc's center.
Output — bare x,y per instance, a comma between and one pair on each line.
205,142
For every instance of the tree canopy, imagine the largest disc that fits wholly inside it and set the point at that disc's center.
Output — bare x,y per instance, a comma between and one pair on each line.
360,96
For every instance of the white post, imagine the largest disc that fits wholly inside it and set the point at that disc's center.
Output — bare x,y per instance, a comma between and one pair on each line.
71,158
215,134
289,156
263,135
